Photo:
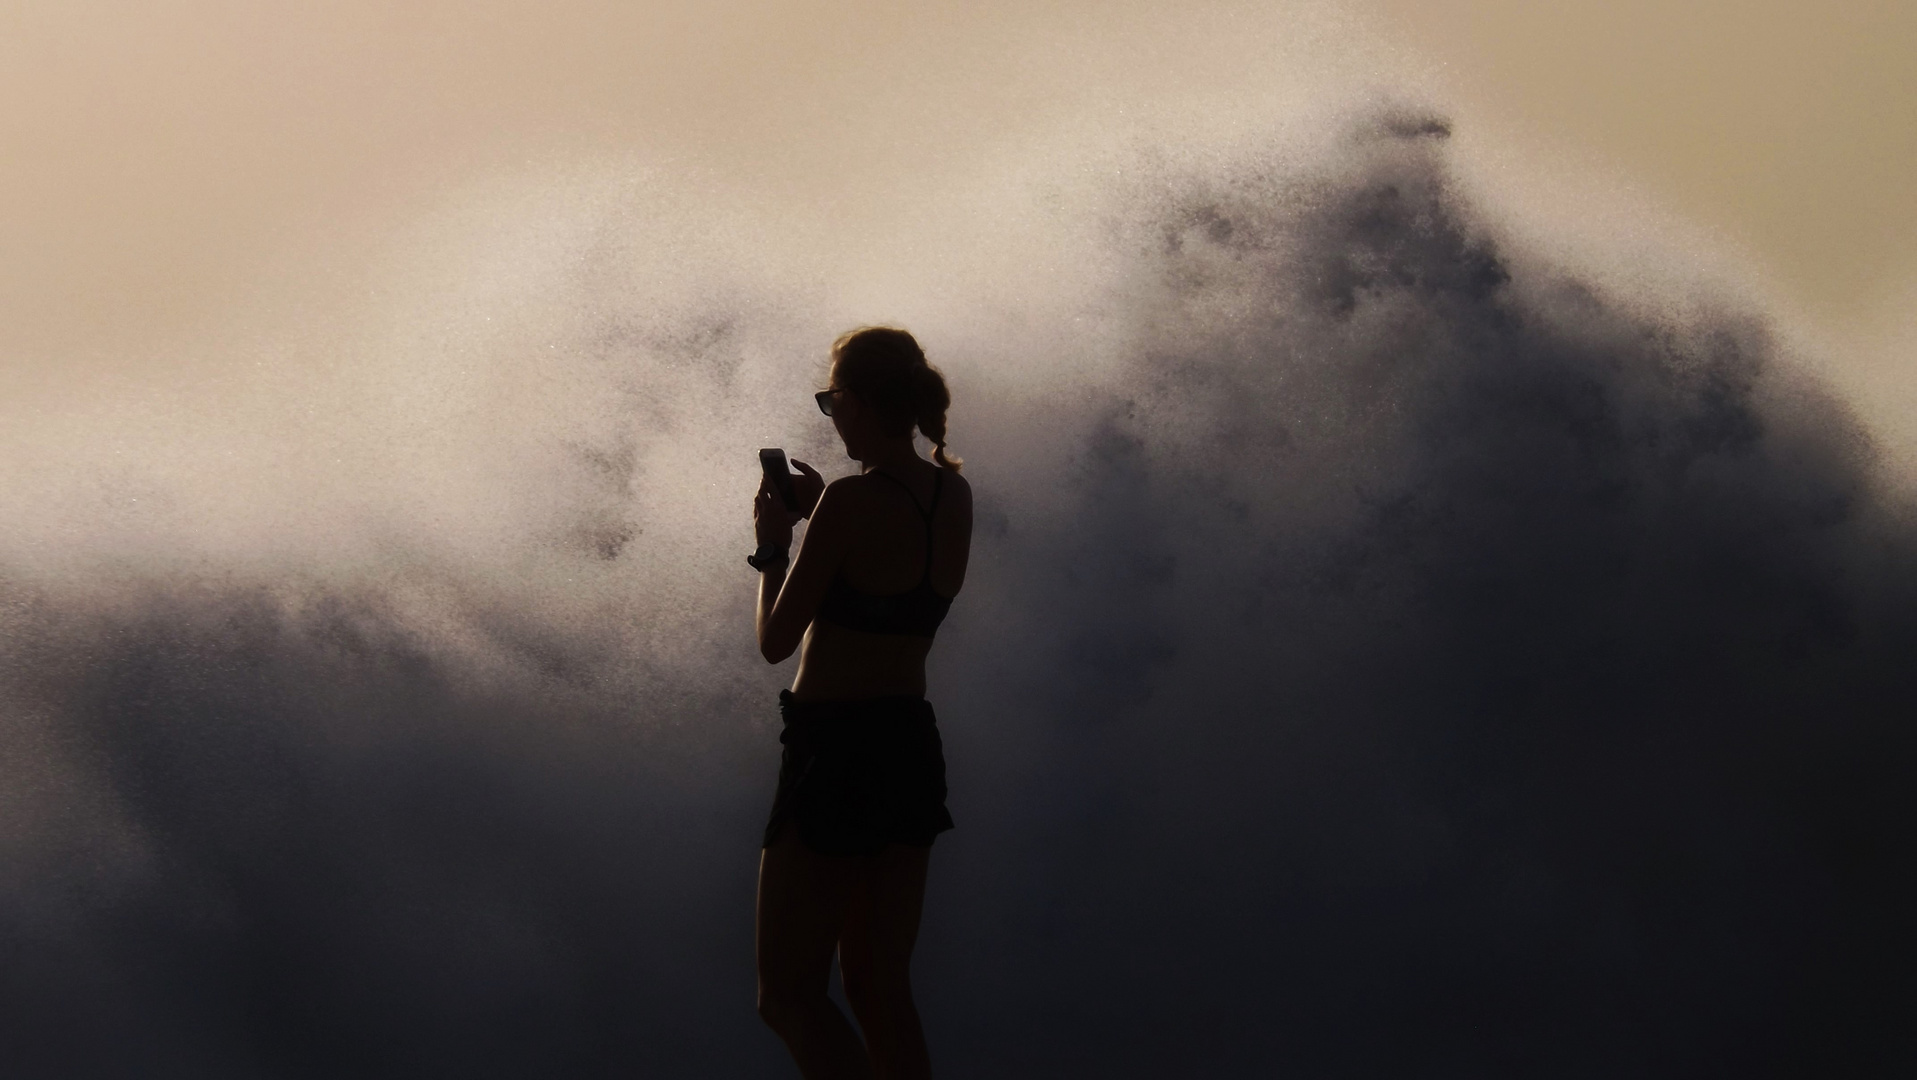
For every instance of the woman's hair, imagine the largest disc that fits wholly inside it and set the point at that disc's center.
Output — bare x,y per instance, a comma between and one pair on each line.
886,368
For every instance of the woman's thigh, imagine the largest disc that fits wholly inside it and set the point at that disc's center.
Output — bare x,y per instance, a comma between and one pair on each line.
882,916
802,909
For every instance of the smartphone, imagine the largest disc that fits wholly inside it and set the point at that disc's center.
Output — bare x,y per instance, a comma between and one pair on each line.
772,460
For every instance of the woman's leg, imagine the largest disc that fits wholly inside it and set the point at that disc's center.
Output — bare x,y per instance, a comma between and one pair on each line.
803,898
875,957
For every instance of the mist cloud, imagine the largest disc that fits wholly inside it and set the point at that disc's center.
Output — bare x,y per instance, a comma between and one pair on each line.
1389,651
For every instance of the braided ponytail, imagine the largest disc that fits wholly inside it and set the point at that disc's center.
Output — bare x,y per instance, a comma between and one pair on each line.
886,368
932,399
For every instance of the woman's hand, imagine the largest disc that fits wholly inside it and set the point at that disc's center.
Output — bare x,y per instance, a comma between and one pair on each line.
771,521
808,486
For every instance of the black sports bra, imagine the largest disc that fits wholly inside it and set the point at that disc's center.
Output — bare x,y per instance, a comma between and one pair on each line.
916,611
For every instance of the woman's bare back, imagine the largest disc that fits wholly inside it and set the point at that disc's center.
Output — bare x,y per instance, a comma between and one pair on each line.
886,556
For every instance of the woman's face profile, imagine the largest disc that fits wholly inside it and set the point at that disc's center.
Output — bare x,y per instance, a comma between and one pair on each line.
846,415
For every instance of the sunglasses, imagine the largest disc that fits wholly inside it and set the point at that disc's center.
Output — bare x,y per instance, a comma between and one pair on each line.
824,398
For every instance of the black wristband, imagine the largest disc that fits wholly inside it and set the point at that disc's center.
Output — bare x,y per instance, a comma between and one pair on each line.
767,556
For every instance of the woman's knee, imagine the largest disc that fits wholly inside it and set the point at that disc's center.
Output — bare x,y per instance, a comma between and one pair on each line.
783,1006
877,993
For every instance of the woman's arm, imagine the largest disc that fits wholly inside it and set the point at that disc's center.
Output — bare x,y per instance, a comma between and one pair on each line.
788,601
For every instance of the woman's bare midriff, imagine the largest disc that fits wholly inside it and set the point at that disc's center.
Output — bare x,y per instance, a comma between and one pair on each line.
839,664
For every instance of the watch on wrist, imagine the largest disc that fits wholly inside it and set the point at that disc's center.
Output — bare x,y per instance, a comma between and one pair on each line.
768,555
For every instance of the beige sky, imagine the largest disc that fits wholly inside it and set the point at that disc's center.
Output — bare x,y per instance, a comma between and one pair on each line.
171,164
1791,126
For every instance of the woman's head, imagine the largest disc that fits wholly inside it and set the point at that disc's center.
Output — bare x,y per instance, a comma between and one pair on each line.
886,370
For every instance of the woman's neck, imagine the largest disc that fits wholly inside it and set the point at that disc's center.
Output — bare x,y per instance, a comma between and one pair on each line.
892,454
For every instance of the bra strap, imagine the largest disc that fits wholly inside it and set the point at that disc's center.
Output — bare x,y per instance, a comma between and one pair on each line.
938,481
938,484
907,488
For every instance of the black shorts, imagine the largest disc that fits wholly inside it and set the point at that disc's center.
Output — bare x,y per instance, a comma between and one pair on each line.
858,775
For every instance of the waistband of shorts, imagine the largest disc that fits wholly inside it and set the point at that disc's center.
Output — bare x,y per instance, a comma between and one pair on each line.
892,709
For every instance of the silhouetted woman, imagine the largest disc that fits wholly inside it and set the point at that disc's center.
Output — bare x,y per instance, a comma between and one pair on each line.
862,781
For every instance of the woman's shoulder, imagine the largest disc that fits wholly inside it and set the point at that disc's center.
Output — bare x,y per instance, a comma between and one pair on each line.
956,486
856,494
865,489
853,489
948,487
845,492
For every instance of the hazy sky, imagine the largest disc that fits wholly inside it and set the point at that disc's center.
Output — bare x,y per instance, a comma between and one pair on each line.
1790,126
161,156
176,170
